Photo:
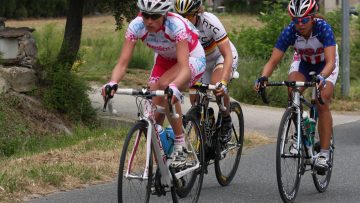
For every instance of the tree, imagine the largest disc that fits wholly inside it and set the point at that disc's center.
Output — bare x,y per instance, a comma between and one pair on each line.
72,35
121,10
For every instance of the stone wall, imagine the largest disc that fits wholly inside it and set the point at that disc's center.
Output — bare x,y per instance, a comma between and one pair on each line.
18,59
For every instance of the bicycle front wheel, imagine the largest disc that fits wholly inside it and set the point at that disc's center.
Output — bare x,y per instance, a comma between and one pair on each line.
133,180
228,155
322,180
289,159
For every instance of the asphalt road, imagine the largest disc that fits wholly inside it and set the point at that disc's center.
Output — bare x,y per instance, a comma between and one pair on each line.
256,177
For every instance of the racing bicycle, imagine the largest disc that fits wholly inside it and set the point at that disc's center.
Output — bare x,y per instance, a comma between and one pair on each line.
145,173
224,156
296,149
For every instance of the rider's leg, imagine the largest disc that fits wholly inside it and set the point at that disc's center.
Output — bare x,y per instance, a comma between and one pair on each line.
226,124
216,77
324,127
295,76
325,117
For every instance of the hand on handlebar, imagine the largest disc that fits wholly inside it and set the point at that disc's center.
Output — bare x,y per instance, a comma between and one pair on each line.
260,83
321,81
221,88
176,94
108,90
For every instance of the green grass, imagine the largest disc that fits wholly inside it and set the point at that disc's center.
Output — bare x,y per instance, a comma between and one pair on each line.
27,145
57,161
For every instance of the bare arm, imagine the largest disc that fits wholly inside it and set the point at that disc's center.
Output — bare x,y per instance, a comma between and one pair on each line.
123,61
274,60
225,51
184,74
330,53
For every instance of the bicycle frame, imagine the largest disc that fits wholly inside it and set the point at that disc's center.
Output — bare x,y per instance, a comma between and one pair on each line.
296,102
152,137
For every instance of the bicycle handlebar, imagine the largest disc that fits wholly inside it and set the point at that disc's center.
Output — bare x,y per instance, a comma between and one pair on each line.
144,92
290,84
202,87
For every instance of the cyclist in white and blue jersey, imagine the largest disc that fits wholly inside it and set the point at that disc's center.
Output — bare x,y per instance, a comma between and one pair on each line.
315,50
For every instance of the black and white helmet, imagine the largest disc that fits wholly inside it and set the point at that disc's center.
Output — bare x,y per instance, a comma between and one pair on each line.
155,6
301,8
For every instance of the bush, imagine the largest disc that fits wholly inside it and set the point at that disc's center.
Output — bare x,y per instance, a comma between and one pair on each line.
67,94
48,41
258,43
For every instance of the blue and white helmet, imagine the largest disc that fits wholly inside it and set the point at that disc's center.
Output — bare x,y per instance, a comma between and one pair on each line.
155,6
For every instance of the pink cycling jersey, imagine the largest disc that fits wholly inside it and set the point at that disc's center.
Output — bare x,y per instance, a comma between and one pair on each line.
163,42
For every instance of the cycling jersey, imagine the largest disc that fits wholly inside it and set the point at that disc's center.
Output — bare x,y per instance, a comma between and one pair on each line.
311,50
163,42
305,68
211,34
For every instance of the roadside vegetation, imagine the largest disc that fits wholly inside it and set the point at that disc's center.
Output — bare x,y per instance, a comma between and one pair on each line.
34,162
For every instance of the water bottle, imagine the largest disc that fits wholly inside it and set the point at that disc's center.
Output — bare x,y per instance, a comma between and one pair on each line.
306,122
308,136
313,121
170,139
166,142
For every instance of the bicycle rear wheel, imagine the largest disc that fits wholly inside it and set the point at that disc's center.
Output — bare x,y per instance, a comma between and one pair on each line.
322,181
135,184
289,160
191,183
228,155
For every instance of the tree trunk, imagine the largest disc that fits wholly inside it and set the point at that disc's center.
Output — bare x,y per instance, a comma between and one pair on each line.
72,35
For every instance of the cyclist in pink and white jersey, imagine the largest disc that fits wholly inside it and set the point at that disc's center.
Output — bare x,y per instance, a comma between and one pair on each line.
315,50
221,54
179,58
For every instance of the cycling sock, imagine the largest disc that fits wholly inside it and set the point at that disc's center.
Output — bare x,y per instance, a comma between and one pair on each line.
324,153
180,139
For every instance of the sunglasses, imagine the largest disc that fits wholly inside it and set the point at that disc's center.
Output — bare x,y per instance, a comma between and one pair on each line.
152,16
303,20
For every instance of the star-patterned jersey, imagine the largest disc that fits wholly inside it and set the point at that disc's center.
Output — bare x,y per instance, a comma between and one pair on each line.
163,42
211,34
311,50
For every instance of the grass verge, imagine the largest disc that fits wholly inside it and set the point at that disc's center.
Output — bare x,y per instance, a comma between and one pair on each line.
91,159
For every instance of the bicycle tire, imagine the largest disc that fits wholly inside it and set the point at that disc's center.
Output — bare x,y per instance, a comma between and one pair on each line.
227,164
129,189
322,181
286,138
193,136
125,185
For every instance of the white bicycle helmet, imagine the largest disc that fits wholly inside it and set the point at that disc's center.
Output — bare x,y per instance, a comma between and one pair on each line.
155,6
301,8
184,7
